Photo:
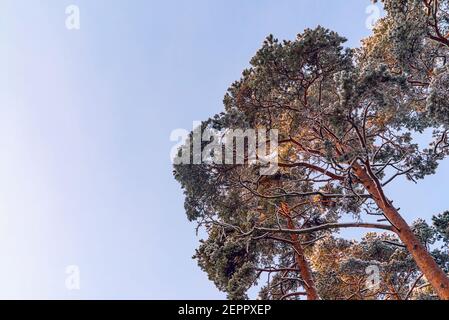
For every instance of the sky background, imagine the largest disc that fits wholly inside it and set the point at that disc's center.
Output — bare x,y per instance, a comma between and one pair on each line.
85,120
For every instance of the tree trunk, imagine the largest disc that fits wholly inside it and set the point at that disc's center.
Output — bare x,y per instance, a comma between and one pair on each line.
433,273
302,263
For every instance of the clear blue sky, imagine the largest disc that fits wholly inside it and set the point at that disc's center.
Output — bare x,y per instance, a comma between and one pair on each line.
85,119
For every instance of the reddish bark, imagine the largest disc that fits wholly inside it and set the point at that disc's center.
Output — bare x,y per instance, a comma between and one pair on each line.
301,261
433,273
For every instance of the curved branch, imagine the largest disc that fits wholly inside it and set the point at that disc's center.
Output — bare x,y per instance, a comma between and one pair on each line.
314,168
328,226
293,294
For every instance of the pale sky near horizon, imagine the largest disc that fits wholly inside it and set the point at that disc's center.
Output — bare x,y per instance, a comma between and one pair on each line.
85,120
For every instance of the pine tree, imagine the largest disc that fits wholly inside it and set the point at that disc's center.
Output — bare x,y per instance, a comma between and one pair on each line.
347,120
